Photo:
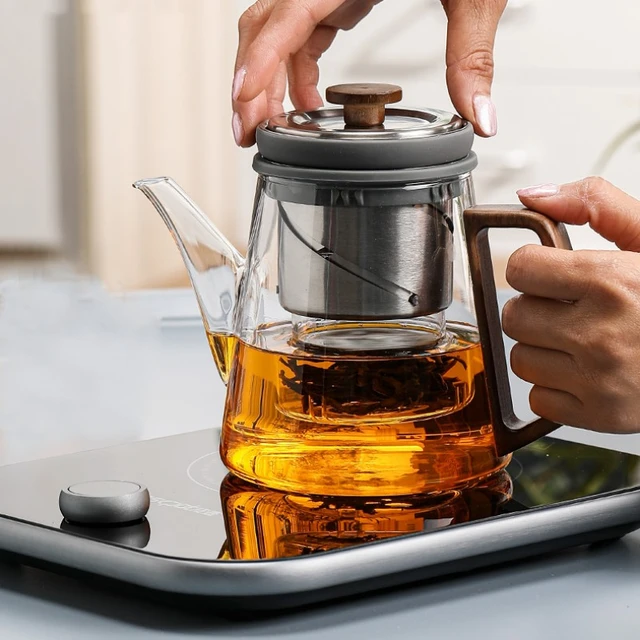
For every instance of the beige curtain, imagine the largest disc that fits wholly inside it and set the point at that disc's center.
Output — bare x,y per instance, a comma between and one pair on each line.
156,76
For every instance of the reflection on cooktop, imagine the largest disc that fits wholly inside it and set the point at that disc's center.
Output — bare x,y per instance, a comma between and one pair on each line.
264,525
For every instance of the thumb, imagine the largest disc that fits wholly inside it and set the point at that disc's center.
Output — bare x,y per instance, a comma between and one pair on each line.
612,213
472,26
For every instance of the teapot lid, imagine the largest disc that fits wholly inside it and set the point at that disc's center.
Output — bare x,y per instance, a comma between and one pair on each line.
365,134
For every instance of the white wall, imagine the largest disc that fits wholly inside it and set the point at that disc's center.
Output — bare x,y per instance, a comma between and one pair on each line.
567,84
35,181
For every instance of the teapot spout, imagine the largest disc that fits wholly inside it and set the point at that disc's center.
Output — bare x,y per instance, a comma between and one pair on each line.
214,265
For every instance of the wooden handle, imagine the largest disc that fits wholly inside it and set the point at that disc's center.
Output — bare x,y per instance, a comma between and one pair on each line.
364,104
510,433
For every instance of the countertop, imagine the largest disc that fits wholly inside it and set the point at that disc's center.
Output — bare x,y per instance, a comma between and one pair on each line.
149,351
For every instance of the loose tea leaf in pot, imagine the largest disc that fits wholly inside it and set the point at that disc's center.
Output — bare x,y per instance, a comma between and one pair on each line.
372,385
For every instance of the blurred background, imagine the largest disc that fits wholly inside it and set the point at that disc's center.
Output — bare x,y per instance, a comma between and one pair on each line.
100,93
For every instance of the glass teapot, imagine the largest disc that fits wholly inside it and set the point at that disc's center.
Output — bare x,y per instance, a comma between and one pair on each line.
360,337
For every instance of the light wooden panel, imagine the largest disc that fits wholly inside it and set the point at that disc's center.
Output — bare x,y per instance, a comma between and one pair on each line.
157,77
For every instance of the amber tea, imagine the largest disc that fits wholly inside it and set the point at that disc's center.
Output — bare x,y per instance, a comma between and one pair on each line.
356,423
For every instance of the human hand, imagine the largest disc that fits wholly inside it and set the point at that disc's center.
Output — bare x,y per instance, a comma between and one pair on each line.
577,321
283,40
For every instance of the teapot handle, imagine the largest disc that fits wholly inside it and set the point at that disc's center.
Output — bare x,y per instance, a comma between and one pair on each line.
510,432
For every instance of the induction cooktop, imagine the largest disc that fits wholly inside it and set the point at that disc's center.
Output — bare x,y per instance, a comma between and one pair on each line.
201,519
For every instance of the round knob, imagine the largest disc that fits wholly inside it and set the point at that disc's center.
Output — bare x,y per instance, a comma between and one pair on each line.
364,104
107,502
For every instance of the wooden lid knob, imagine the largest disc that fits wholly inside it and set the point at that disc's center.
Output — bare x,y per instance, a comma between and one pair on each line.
364,104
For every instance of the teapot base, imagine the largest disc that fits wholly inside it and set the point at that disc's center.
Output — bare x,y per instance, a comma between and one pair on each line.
373,469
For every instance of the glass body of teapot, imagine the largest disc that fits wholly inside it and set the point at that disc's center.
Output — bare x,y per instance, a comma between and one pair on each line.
349,335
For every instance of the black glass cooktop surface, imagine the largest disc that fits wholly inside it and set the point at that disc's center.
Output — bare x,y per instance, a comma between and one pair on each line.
199,511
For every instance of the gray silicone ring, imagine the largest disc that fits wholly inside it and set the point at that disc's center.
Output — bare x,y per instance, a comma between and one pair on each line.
345,154
434,173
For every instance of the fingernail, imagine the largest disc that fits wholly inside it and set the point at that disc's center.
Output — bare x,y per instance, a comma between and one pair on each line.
238,129
238,82
539,191
486,117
